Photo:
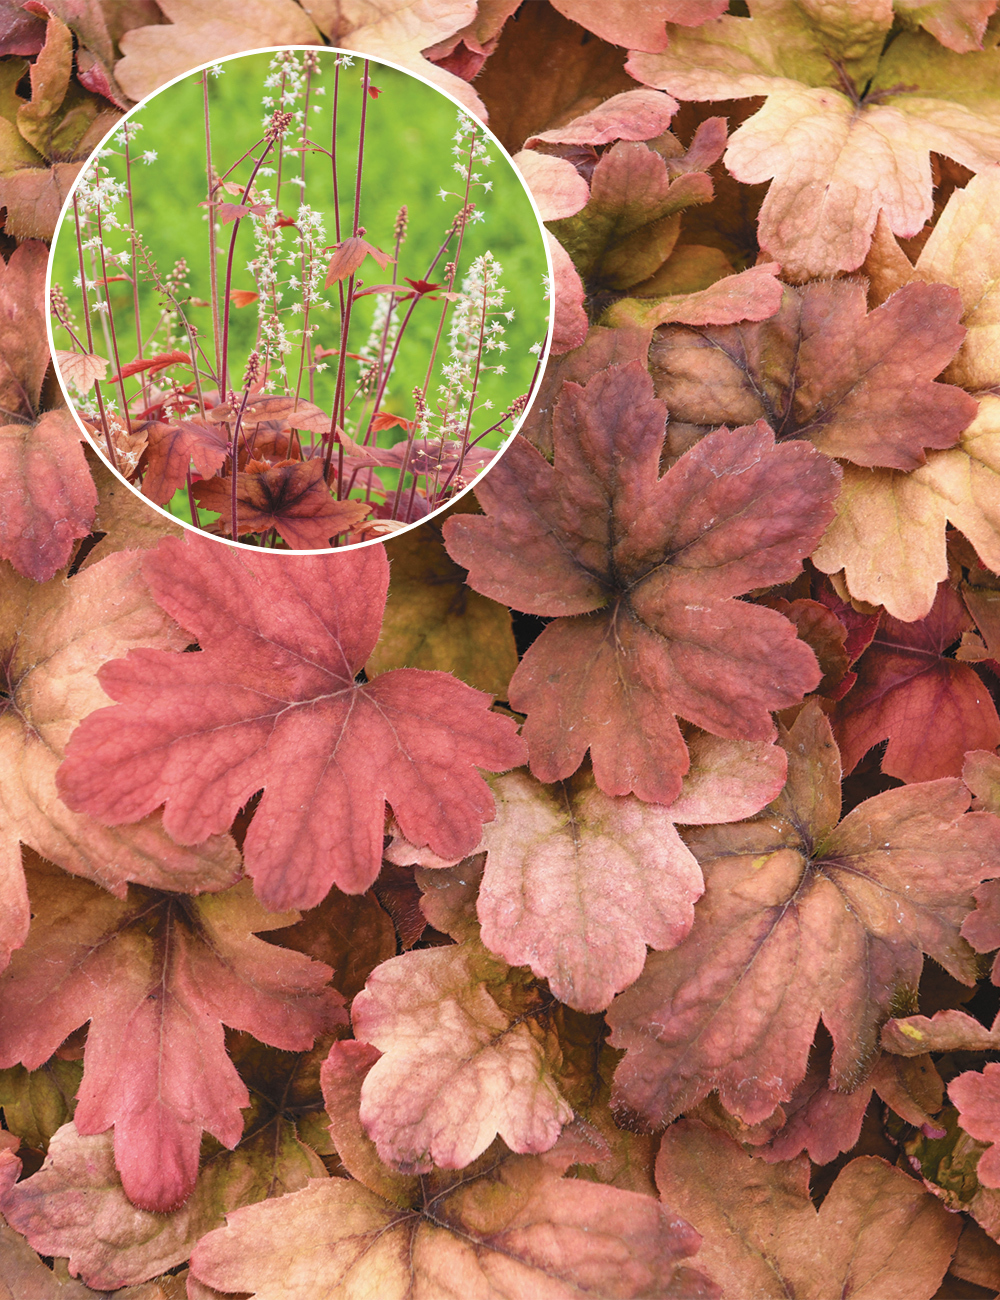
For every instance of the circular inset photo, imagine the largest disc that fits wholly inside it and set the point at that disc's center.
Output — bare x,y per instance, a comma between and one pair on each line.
299,299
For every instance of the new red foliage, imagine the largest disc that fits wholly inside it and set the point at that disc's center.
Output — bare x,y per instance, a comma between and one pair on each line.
156,975
930,707
272,703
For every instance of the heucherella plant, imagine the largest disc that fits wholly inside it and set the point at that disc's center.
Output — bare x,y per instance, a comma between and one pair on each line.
269,435
594,890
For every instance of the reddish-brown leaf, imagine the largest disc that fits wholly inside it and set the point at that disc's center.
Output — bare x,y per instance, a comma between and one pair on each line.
930,707
47,496
74,1206
350,933
292,497
631,221
802,919
156,975
272,702
171,449
859,386
644,571
33,197
227,212
581,72
23,339
631,879
821,629
570,325
877,1236
823,1122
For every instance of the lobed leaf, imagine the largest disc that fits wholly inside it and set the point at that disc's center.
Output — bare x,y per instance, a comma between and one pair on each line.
509,1226
877,1236
271,702
640,572
458,1067
931,708
47,496
156,975
802,919
74,1206
171,449
858,386
578,883
846,130
155,55
291,497
889,531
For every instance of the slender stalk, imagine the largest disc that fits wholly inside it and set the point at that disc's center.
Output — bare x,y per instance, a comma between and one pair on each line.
476,373
233,453
224,360
69,330
90,335
135,278
213,256
461,222
111,324
195,517
305,270
342,366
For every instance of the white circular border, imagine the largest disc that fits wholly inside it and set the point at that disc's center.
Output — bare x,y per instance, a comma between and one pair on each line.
542,359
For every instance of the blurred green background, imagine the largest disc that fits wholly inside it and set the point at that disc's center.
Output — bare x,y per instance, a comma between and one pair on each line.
408,160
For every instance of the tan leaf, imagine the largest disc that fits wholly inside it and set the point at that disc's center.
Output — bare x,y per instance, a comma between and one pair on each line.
877,1236
848,123
196,33
460,1064
126,521
555,184
888,535
81,368
399,30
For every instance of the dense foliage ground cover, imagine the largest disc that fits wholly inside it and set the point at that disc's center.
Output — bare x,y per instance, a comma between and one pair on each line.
593,894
